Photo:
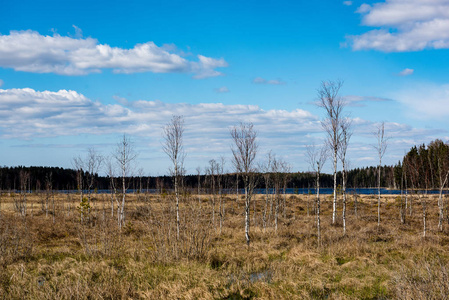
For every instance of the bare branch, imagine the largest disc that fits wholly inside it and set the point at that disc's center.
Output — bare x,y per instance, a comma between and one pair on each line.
333,104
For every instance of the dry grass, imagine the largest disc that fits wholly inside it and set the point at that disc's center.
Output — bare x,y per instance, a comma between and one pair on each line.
54,255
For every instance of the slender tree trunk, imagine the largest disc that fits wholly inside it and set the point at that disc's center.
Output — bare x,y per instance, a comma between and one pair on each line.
318,207
378,198
199,189
213,199
177,203
285,203
270,213
406,193
221,208
122,206
276,208
402,211
344,199
440,210
264,216
53,202
247,206
378,193
440,202
334,204
276,213
403,208
424,213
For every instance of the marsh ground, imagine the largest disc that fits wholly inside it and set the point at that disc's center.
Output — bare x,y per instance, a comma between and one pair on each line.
54,253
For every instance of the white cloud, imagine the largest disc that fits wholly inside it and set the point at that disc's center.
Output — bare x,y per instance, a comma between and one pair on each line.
222,89
359,101
425,101
347,3
31,52
406,72
260,80
405,25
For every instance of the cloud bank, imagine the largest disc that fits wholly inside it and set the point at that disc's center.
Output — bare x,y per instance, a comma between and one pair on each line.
30,51
30,115
404,25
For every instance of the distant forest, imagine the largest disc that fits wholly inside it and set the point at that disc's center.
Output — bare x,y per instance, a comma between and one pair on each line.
40,178
423,166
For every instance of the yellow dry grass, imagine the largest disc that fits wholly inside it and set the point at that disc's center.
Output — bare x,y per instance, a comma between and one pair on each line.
55,255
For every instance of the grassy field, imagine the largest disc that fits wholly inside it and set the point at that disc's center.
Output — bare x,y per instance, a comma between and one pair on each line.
54,252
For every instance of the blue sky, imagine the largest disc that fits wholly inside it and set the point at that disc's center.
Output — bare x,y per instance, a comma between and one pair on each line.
79,74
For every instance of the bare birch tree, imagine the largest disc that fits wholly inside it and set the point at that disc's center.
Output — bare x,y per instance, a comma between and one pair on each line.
286,169
78,164
345,137
198,172
20,202
440,157
244,152
212,174
87,167
317,159
174,148
381,148
276,169
220,181
124,156
265,168
94,160
333,104
49,194
112,185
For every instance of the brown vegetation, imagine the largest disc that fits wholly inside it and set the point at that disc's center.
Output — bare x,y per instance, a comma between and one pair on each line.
58,254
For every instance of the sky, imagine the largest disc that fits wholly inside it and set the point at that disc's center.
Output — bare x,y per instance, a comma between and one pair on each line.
79,74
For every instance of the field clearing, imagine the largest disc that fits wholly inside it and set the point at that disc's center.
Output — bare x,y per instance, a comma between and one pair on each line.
57,252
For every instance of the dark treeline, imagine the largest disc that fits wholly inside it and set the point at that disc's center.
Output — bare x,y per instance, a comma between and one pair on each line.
425,167
422,165
38,178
